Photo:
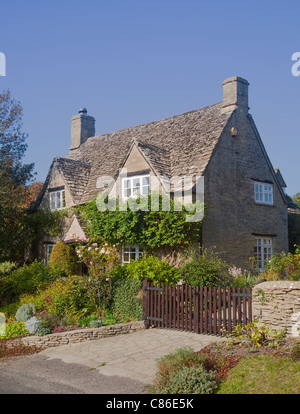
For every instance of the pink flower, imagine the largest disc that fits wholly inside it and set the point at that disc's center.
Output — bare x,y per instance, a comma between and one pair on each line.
90,249
95,244
78,251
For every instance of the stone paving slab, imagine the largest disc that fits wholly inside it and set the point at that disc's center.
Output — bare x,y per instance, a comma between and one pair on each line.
131,356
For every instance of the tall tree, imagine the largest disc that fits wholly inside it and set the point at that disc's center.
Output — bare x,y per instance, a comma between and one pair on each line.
14,177
296,198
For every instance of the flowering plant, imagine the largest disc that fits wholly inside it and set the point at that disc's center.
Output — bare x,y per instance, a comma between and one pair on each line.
99,260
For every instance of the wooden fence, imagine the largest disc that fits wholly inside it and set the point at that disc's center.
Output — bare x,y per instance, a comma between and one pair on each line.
204,310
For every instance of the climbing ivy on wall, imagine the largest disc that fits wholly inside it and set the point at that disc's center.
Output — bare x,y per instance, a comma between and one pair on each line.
142,226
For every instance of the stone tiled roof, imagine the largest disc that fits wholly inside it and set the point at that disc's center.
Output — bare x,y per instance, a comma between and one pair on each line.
292,206
76,174
176,146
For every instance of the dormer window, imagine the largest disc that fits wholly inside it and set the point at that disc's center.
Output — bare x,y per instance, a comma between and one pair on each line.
135,186
263,193
57,199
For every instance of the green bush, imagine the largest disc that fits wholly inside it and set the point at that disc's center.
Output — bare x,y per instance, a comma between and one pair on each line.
171,364
159,271
63,260
191,380
26,280
206,269
7,267
61,298
283,267
126,299
14,329
86,320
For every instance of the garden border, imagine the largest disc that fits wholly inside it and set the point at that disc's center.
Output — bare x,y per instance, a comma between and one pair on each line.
81,335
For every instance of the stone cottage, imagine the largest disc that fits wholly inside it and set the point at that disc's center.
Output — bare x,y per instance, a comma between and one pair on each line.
246,207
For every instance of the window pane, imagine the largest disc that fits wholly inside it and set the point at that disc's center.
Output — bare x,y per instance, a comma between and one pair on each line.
58,199
63,199
145,190
126,183
52,201
136,182
145,180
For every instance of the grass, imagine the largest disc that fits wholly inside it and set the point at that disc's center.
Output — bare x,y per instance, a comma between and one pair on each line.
264,374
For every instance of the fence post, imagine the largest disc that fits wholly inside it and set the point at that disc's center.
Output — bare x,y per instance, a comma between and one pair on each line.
146,302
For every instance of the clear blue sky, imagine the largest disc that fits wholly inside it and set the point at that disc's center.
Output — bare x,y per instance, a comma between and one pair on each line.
135,61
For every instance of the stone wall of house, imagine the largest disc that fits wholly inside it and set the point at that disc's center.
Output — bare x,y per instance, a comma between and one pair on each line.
233,220
81,335
278,305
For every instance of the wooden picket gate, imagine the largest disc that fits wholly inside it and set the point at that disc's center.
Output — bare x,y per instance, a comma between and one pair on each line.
204,310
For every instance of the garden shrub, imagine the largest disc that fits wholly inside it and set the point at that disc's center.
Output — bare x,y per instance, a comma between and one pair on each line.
191,380
126,300
95,323
283,267
61,298
32,325
28,279
25,312
7,267
63,259
171,364
152,267
206,269
14,329
86,320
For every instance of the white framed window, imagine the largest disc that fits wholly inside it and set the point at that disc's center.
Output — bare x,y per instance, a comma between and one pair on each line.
49,248
263,193
131,252
135,186
263,251
57,199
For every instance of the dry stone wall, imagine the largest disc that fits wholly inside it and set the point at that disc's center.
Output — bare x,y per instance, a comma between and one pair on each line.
81,335
278,305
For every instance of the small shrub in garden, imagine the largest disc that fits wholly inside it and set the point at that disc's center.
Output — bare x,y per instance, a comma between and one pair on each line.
99,260
85,321
191,380
7,267
206,269
95,323
63,259
33,325
152,267
25,312
169,364
283,267
14,329
126,300
43,331
29,278
66,297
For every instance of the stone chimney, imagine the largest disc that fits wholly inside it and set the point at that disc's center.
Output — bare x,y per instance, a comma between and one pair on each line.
235,94
82,127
